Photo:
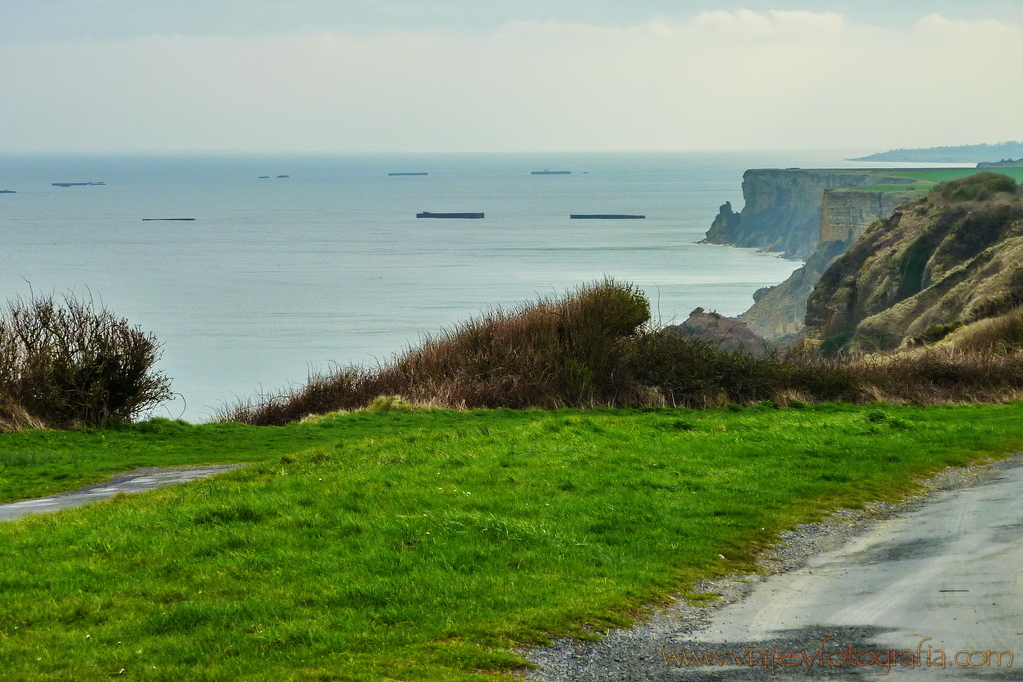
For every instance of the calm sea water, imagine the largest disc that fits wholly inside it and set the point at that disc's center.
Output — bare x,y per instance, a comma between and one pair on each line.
278,277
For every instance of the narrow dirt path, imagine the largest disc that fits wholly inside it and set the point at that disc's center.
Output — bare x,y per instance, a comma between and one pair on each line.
137,481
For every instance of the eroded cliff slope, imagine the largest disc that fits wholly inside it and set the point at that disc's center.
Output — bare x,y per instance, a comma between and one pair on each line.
950,258
777,314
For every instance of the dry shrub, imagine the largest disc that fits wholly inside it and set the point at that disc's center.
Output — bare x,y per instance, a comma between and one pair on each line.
69,364
1002,334
347,388
569,352
549,354
592,349
14,417
942,375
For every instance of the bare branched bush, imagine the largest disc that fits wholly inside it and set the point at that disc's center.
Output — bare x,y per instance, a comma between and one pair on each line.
67,364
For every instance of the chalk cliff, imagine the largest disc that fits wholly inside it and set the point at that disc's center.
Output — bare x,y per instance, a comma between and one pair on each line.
783,208
846,213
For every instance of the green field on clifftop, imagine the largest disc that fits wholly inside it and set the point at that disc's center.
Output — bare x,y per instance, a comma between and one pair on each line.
933,176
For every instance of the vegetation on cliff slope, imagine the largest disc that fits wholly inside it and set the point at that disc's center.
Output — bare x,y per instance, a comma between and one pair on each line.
946,260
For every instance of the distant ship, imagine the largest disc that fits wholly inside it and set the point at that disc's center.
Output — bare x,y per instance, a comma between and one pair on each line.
284,176
408,173
146,220
7,191
550,172
77,184
605,216
264,177
428,214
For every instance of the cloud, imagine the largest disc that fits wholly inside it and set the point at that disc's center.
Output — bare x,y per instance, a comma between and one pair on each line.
746,24
719,80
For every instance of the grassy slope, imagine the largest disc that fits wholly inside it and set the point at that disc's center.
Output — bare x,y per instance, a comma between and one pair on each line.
421,547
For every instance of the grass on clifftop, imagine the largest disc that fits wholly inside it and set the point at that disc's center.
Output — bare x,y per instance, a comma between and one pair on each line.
423,546
936,175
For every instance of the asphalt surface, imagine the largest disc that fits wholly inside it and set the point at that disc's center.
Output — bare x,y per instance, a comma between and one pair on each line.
941,583
137,481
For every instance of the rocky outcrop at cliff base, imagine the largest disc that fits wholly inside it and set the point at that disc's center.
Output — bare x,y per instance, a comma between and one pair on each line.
725,333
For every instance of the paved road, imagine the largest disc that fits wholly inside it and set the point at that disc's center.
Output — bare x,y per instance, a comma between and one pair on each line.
945,577
136,481
951,571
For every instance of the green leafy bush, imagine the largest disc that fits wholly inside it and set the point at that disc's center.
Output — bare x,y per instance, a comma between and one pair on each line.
695,373
936,332
836,344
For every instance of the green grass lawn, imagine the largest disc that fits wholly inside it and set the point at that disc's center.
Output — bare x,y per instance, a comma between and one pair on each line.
936,175
424,546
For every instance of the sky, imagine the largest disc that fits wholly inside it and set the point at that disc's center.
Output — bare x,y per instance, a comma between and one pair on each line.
413,76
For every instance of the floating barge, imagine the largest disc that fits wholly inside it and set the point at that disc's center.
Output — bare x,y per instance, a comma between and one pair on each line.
146,220
417,173
550,172
428,214
77,184
606,216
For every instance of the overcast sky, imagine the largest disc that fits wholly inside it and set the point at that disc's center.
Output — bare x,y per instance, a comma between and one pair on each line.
251,76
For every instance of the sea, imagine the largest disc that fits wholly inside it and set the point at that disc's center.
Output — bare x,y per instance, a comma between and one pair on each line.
323,261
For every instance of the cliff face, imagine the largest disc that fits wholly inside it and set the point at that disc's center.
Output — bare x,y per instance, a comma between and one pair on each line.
783,208
847,213
955,256
778,314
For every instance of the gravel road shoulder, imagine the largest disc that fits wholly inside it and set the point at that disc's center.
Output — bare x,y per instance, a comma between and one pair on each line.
636,653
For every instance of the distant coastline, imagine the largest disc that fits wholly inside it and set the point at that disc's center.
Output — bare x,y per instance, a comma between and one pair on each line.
974,153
